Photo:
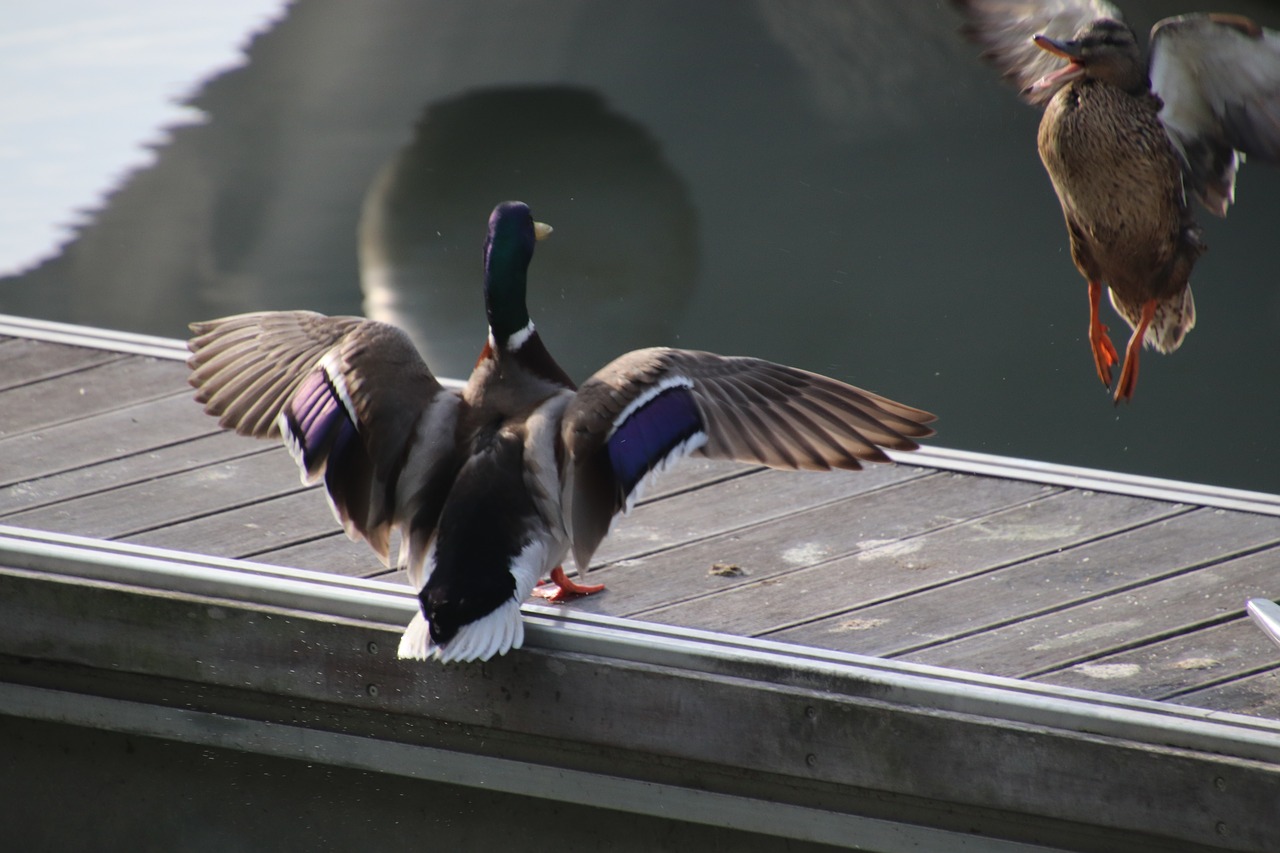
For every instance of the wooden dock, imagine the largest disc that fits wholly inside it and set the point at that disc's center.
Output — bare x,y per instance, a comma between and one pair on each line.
1072,586
1059,577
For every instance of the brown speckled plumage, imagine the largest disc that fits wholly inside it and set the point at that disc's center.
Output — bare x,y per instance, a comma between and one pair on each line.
1126,143
1119,180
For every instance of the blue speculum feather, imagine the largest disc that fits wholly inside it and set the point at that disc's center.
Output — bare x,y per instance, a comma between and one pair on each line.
644,439
319,422
344,434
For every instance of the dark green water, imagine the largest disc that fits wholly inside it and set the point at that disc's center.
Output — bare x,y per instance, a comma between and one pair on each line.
839,185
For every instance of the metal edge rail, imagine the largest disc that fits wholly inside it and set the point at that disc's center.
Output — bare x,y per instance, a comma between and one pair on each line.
88,336
1091,479
563,629
1266,615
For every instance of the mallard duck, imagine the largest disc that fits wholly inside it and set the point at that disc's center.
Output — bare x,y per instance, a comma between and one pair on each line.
492,485
1122,141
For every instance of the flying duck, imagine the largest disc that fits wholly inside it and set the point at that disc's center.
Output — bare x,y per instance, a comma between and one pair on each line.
492,485
1123,140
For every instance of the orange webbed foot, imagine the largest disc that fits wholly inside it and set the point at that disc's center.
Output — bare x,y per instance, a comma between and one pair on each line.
1128,381
1129,373
559,588
1104,353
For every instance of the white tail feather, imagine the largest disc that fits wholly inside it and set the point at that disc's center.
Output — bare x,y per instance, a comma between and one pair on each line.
495,634
1174,317
415,644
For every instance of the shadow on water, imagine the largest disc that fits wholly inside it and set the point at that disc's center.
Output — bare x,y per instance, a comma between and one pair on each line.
617,282
836,184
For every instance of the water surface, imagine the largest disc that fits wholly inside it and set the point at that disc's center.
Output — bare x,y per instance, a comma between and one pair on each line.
839,185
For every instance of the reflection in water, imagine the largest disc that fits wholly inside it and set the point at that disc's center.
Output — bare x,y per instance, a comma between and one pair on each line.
836,184
83,85
621,266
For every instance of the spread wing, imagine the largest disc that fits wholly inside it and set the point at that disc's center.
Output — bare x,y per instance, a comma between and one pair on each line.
1004,29
354,402
1219,78
245,368
651,407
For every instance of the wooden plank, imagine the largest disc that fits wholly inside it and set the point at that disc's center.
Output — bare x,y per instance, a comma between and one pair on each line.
82,393
844,557
914,564
134,429
334,553
126,470
265,528
787,544
1189,661
167,500
1168,598
23,361
245,532
694,473
1257,696
337,554
681,509
759,495
1039,586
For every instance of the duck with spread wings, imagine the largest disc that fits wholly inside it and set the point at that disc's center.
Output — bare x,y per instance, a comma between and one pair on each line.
492,485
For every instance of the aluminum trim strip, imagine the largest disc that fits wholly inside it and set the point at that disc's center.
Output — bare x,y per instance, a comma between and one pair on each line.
564,629
1266,614
87,336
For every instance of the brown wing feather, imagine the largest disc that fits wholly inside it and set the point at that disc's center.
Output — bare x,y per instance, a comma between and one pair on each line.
246,367
853,421
755,410
751,411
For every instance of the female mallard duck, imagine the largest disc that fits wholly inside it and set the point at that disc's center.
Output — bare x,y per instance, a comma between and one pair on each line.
1121,142
492,485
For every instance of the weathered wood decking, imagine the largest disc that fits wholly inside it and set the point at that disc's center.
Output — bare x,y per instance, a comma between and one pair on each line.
1133,595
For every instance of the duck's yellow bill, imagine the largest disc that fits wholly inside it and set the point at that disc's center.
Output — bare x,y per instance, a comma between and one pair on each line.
541,230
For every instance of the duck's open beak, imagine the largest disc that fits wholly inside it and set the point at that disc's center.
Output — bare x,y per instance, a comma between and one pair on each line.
1050,83
1065,49
541,230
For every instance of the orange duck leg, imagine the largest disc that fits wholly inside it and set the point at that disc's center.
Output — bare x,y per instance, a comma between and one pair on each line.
560,588
1129,373
1104,352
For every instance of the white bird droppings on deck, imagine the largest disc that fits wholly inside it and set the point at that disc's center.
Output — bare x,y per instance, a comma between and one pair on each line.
1108,671
1196,663
875,549
859,624
1101,631
806,554
1026,532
